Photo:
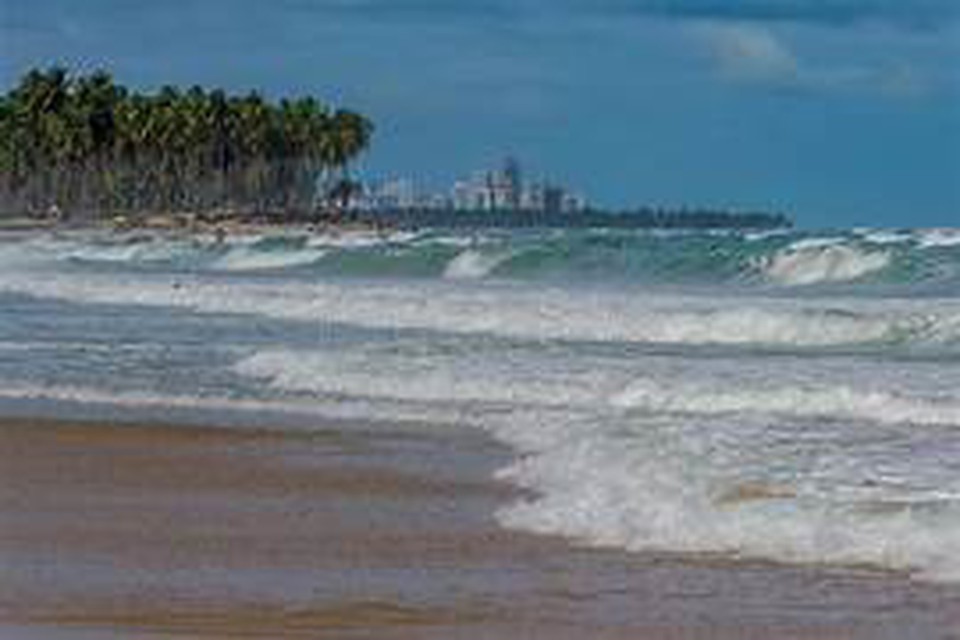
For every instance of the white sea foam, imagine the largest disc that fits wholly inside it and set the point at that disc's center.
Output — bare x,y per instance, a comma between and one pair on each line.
359,239
827,402
358,409
252,259
786,491
473,264
816,243
885,237
764,235
463,242
649,495
797,455
456,373
128,252
137,399
515,312
418,373
633,470
939,238
817,263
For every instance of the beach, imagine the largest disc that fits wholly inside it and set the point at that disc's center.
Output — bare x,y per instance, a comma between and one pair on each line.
422,320
567,435
349,531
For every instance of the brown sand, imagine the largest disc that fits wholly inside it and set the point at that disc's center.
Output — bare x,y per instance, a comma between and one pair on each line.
129,531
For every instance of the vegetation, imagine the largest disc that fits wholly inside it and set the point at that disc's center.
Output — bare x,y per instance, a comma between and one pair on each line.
87,146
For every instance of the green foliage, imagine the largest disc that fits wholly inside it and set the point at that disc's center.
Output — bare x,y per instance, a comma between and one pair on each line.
92,147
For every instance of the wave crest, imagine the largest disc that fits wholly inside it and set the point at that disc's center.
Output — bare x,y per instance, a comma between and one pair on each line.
472,264
832,403
818,263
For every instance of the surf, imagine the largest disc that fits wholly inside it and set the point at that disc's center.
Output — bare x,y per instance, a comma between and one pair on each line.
785,259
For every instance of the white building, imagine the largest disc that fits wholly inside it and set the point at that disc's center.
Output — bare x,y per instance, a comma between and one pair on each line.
491,190
501,189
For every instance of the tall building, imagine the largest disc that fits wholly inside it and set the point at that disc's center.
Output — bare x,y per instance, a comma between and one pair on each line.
532,198
574,203
398,193
513,183
502,189
553,200
464,196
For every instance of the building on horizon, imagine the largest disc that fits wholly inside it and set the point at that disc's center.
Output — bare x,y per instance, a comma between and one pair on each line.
503,189
387,195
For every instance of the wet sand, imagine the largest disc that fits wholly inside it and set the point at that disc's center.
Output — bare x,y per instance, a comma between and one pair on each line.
353,531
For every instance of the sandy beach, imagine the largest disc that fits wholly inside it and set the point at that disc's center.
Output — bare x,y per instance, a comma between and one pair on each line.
133,531
424,320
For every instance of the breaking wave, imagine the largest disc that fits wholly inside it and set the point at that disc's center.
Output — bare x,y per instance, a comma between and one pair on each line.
939,238
473,265
837,402
524,313
780,481
812,264
787,396
651,493
248,259
780,259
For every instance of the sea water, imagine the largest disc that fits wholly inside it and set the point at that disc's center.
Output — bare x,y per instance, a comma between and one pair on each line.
782,396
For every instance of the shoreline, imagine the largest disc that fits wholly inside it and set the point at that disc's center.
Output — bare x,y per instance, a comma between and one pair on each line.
174,225
378,221
352,531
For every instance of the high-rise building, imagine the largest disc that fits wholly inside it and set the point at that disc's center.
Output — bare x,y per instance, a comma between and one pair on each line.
532,197
398,193
512,183
553,200
501,189
464,196
574,203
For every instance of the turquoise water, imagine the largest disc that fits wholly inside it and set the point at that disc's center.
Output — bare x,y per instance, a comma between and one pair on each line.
903,257
788,396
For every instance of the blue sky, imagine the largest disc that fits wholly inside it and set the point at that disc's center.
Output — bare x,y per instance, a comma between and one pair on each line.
842,112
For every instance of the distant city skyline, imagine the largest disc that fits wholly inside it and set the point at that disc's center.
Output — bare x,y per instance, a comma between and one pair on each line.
506,188
841,113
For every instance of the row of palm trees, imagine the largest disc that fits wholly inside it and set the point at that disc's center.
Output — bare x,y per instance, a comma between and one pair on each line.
86,145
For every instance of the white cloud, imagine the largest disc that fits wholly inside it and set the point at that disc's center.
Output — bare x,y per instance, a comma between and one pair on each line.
752,54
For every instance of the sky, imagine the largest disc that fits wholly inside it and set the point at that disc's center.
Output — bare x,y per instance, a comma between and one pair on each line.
839,112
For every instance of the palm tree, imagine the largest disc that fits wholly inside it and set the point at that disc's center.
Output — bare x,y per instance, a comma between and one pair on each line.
134,140
89,143
346,134
94,105
253,128
39,101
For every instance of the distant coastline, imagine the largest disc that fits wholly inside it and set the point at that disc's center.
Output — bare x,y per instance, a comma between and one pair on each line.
642,218
83,150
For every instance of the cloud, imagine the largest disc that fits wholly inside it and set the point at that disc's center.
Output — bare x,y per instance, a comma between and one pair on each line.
755,55
908,13
930,14
751,54
742,37
920,13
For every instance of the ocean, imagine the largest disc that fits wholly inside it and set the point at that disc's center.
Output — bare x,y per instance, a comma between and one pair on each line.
791,397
